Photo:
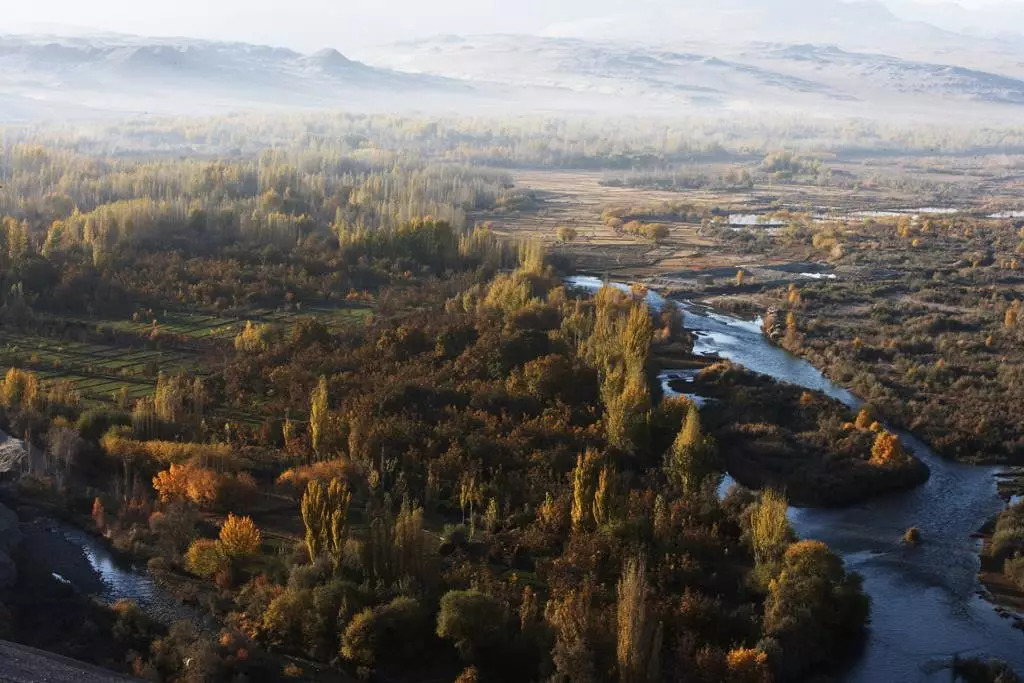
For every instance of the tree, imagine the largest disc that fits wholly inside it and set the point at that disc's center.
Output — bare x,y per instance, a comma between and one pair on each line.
603,495
887,449
865,418
240,538
747,665
583,488
409,543
770,532
318,415
324,511
639,635
574,653
792,339
20,389
191,482
99,514
813,607
693,457
62,447
1012,315
475,622
205,557
397,630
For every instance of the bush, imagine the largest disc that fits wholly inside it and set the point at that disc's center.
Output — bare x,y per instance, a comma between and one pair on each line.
396,630
1013,568
205,558
475,621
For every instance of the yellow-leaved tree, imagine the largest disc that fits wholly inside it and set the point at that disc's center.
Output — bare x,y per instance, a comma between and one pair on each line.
240,537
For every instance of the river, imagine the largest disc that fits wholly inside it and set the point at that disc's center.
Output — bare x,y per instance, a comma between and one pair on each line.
925,600
101,573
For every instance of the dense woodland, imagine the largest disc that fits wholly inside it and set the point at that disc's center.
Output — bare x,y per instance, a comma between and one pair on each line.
287,365
478,480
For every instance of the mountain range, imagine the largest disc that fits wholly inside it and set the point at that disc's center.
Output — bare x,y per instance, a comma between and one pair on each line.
827,58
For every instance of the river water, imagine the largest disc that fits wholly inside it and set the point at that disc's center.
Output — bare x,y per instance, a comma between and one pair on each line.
926,605
122,580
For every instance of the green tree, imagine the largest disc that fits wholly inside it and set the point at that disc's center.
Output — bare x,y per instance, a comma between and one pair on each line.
693,457
397,630
474,621
814,607
318,416
770,532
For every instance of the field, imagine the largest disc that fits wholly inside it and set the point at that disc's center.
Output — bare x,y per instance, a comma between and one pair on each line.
121,359
576,199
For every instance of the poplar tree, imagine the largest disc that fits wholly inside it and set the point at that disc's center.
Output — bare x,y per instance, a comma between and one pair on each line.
318,415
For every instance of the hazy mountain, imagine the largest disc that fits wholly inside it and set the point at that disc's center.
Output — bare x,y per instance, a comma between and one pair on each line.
82,76
855,24
752,76
995,19
131,74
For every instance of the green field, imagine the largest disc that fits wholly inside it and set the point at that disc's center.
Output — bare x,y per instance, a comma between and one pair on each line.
100,371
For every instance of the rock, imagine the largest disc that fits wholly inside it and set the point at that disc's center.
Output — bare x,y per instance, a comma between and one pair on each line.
8,571
10,531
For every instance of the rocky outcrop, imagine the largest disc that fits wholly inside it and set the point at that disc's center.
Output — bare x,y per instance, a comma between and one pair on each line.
10,537
20,664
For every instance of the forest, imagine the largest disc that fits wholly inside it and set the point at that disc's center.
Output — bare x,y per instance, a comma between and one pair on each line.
364,437
301,373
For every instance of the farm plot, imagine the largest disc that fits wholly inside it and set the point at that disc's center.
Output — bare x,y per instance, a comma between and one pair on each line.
98,371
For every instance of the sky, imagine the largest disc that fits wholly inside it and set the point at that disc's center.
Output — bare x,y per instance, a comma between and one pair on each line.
308,25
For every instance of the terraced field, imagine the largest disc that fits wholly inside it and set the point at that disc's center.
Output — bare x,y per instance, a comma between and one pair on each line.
126,370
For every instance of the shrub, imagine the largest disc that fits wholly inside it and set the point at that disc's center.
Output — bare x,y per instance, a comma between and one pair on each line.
1013,568
474,621
397,630
205,558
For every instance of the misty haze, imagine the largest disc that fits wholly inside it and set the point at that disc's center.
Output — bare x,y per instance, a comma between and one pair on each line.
505,342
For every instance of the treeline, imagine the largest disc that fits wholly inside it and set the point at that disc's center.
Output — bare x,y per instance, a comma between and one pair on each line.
520,141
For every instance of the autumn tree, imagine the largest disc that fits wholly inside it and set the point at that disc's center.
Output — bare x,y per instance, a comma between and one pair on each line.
409,543
318,416
887,449
747,665
239,537
770,532
583,489
693,457
1012,315
324,511
189,481
20,389
813,607
639,633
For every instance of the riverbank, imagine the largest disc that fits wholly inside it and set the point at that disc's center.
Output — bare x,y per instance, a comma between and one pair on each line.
998,588
927,599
